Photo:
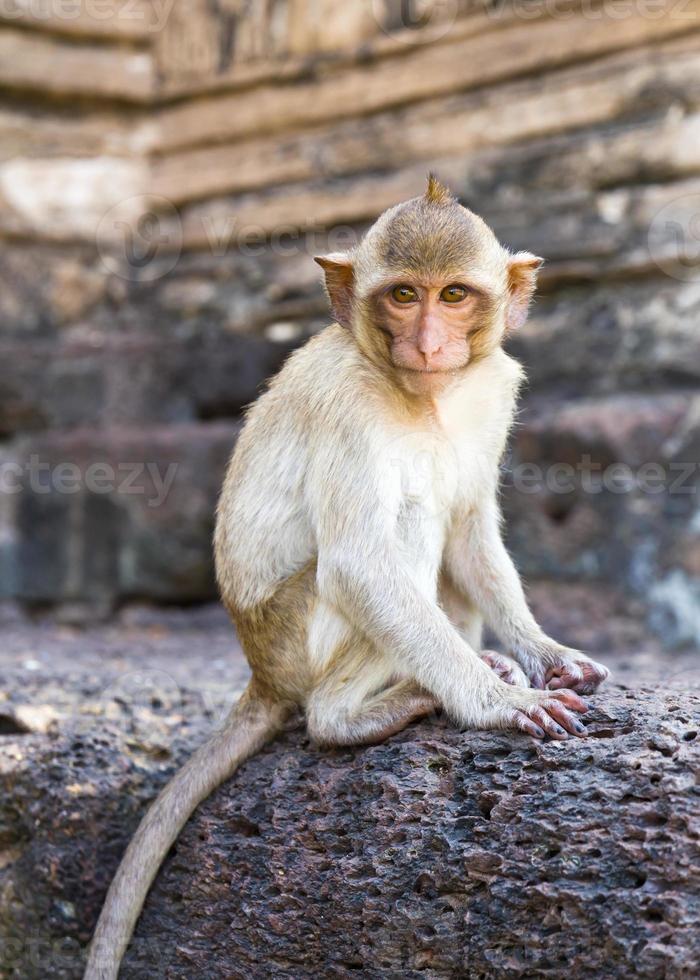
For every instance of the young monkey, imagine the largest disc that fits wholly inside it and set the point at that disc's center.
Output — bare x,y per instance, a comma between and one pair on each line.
358,592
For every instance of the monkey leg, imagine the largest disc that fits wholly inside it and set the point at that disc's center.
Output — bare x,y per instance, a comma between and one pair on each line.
358,701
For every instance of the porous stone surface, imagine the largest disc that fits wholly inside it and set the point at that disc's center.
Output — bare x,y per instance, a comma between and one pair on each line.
437,854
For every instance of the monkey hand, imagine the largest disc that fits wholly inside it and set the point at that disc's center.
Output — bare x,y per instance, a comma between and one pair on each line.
540,713
561,667
505,667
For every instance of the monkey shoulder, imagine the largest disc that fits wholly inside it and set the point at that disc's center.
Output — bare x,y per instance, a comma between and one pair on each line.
317,411
320,383
506,372
499,380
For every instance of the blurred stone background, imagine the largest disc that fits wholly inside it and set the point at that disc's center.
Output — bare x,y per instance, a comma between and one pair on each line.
167,171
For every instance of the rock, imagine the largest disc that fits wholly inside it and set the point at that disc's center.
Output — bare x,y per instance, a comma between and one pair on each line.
632,430
21,719
149,494
131,378
114,733
625,462
436,854
511,155
31,61
616,338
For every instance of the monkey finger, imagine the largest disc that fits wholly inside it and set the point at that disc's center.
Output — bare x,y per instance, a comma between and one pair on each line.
583,685
565,717
593,675
584,676
563,675
550,724
562,681
570,699
527,725
505,668
514,677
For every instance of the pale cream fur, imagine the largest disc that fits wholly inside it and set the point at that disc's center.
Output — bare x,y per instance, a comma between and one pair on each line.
318,478
358,542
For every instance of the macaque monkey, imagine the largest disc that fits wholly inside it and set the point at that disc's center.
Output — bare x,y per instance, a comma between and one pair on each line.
359,592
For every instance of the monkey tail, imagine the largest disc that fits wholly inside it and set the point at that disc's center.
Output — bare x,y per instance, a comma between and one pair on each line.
251,723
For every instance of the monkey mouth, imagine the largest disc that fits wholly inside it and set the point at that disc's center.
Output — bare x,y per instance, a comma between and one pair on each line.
433,370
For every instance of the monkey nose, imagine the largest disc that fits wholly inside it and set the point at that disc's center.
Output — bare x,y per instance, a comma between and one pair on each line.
429,340
429,352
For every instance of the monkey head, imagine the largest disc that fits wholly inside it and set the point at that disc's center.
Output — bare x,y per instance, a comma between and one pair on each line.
429,290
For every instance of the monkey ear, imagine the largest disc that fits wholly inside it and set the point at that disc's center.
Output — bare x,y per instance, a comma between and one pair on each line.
522,279
340,284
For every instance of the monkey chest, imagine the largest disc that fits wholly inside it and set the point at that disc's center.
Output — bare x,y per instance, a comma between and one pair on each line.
423,485
430,474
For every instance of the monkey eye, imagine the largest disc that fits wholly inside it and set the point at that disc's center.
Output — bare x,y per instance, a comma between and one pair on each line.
404,294
454,293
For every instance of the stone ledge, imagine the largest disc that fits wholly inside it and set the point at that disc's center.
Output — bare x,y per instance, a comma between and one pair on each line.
437,854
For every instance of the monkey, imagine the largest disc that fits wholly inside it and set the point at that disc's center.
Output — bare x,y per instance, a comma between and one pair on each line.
359,593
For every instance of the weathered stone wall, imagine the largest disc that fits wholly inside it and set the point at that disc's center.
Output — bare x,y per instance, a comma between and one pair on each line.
166,173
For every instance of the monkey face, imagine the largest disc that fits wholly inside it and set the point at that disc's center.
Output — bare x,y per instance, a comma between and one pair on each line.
429,290
429,325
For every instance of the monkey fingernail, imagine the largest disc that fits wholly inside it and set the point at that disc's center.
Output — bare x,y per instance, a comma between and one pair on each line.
579,727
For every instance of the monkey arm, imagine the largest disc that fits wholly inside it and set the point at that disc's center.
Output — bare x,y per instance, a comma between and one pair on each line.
362,573
480,567
378,596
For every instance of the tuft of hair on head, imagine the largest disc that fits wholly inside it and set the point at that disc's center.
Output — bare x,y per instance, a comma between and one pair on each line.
437,193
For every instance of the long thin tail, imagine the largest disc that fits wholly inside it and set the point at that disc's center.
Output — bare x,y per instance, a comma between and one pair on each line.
251,723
